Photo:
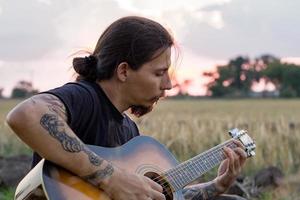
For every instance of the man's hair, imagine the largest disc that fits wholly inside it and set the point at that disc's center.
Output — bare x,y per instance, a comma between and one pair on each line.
131,39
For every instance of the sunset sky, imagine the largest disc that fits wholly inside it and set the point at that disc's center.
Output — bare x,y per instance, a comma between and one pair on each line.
38,37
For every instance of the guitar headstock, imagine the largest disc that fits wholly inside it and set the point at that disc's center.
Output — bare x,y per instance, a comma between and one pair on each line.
245,139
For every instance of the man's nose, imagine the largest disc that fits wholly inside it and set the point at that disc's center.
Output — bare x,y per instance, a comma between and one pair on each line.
167,84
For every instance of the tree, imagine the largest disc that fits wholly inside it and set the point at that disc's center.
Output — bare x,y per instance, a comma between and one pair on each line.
261,63
285,77
1,91
23,89
233,79
237,77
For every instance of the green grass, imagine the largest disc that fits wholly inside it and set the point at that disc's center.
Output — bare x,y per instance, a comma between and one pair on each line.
6,193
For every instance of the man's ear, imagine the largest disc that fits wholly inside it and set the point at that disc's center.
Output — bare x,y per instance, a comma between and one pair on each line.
122,71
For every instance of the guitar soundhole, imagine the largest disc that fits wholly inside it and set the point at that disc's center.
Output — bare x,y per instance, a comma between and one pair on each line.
167,191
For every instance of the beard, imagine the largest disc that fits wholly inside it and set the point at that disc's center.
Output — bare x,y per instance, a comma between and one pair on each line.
139,111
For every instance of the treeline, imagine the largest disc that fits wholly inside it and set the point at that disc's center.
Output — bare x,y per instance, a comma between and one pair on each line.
237,78
22,89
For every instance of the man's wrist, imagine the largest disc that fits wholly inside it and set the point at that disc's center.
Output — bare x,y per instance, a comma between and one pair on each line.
204,191
102,176
221,188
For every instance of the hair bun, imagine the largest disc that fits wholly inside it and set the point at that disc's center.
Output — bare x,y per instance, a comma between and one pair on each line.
85,66
91,60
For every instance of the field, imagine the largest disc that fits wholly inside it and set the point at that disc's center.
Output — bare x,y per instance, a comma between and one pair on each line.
190,127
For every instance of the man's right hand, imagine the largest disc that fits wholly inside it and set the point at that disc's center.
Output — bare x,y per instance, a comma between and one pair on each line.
123,185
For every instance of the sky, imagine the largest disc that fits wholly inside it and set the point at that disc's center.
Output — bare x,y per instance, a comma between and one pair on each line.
39,37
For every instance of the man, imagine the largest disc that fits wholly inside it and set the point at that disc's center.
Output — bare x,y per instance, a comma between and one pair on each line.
127,70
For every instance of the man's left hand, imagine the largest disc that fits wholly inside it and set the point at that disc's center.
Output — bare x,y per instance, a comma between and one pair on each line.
231,167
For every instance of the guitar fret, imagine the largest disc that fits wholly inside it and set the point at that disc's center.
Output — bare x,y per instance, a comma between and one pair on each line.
195,170
190,170
173,180
176,185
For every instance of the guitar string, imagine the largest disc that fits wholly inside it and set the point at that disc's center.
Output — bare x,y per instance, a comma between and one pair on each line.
183,166
163,182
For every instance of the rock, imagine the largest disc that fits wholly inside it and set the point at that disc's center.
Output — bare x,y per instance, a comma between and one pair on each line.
264,179
271,176
237,189
13,169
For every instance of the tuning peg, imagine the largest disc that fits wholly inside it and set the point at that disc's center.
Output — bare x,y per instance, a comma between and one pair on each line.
251,153
234,133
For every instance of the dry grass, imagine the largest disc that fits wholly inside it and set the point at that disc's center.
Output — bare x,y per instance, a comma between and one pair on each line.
190,127
9,143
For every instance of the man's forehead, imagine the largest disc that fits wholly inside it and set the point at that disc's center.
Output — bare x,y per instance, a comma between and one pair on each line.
164,60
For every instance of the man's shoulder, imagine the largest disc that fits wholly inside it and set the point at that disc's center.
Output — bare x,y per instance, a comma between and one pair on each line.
71,88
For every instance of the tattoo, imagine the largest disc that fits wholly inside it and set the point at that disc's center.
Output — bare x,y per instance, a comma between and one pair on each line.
55,127
98,176
55,105
200,193
54,122
94,158
32,100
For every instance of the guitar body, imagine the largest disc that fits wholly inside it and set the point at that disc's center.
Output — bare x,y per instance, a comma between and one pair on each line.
142,155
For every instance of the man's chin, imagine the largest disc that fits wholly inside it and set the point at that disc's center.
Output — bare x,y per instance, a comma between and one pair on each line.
139,110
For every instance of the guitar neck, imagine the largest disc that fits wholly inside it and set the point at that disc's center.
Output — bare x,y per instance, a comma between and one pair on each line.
190,170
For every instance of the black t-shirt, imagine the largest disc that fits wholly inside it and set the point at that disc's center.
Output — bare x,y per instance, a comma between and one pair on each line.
92,116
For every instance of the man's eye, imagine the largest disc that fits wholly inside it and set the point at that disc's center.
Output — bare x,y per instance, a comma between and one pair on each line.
160,73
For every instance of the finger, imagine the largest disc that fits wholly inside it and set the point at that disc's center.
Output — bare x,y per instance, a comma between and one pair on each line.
223,167
157,195
229,154
154,185
240,158
237,165
242,155
239,144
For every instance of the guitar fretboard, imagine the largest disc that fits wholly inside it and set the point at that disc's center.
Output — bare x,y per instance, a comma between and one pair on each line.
190,170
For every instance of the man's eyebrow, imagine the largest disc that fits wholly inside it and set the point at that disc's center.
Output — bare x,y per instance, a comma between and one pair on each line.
164,67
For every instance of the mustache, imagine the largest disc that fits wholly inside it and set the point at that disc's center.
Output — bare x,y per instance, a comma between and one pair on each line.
163,95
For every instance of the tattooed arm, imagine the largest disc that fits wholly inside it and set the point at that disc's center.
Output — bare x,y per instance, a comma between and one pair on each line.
41,123
203,191
229,169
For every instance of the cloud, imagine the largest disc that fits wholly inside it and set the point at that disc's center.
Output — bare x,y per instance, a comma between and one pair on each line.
82,23
31,29
36,32
249,28
37,37
47,2
27,30
176,13
160,6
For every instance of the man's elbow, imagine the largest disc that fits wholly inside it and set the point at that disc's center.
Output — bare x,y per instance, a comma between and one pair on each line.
18,116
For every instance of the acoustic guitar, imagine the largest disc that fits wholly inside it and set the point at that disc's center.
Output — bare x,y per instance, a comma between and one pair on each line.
142,155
